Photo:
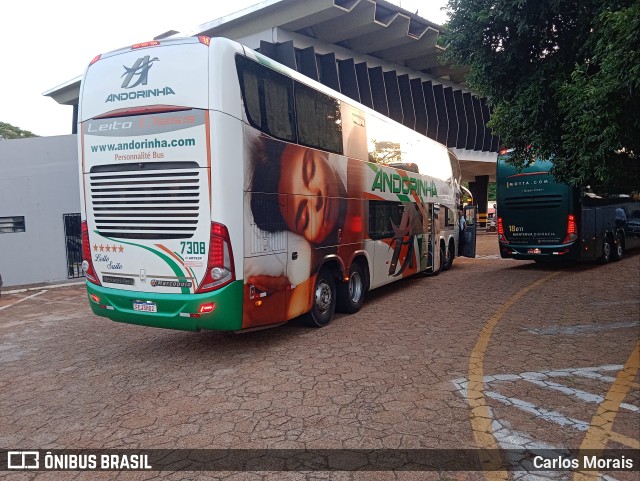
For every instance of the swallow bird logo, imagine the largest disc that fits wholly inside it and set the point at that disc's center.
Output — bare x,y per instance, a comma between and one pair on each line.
141,69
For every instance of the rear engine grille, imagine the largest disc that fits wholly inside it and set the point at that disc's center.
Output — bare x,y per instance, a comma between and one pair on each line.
149,204
534,202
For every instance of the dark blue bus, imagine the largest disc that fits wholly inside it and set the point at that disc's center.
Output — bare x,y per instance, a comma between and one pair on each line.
540,219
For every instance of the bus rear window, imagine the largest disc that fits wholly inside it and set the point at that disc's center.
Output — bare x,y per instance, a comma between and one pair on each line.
268,98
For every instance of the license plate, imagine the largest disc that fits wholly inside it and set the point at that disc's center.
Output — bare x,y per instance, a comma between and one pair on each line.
118,280
534,251
145,306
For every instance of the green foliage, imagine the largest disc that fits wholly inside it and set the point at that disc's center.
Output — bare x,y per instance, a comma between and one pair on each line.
8,131
563,79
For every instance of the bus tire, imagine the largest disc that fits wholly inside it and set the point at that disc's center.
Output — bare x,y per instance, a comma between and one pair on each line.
607,249
450,255
618,248
351,294
324,300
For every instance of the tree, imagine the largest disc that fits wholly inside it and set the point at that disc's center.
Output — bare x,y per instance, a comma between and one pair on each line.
8,131
563,80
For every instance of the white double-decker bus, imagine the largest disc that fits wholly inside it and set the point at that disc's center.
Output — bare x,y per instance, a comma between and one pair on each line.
222,190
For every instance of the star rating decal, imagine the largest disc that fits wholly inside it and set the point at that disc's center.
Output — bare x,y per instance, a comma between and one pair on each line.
108,248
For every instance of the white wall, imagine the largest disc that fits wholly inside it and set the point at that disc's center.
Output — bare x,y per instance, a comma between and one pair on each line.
38,180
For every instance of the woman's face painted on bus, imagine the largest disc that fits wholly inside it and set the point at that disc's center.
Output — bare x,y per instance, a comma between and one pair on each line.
313,211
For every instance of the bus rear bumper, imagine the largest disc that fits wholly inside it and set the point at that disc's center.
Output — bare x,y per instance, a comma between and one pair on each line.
174,311
538,252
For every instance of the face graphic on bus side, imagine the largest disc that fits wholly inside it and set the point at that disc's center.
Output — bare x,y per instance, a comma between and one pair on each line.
314,211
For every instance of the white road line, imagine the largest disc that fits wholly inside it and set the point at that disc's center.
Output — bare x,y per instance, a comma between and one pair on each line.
23,299
581,329
546,414
587,372
539,412
542,379
512,440
582,395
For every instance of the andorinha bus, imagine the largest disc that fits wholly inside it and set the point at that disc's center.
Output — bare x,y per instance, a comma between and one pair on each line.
225,191
541,219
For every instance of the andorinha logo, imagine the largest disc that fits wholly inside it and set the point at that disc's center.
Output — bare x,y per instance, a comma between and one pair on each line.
140,94
395,183
138,74
141,69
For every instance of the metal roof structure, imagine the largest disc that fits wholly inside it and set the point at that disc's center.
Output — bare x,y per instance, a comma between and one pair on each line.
365,27
372,51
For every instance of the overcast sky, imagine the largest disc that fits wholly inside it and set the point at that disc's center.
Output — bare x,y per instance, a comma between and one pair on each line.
45,43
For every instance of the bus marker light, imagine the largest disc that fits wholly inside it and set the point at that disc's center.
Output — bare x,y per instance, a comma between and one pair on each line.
258,303
204,40
95,59
356,224
153,43
206,308
95,298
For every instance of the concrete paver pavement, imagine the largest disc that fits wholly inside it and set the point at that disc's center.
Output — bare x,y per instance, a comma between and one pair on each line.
395,375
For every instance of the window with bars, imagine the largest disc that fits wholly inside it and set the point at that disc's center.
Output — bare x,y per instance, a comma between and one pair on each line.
12,224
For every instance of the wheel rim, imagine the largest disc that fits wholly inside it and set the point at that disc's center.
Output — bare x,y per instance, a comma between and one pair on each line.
323,297
355,287
619,247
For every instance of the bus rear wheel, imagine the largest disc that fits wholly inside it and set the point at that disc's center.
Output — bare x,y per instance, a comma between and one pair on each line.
618,248
607,249
351,294
324,300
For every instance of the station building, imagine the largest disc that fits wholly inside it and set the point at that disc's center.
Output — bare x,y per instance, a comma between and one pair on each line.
372,51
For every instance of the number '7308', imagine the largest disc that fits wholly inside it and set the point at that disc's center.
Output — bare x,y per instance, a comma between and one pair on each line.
192,248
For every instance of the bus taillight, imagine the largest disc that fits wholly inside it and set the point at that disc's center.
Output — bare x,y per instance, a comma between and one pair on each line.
501,236
87,263
220,269
572,230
